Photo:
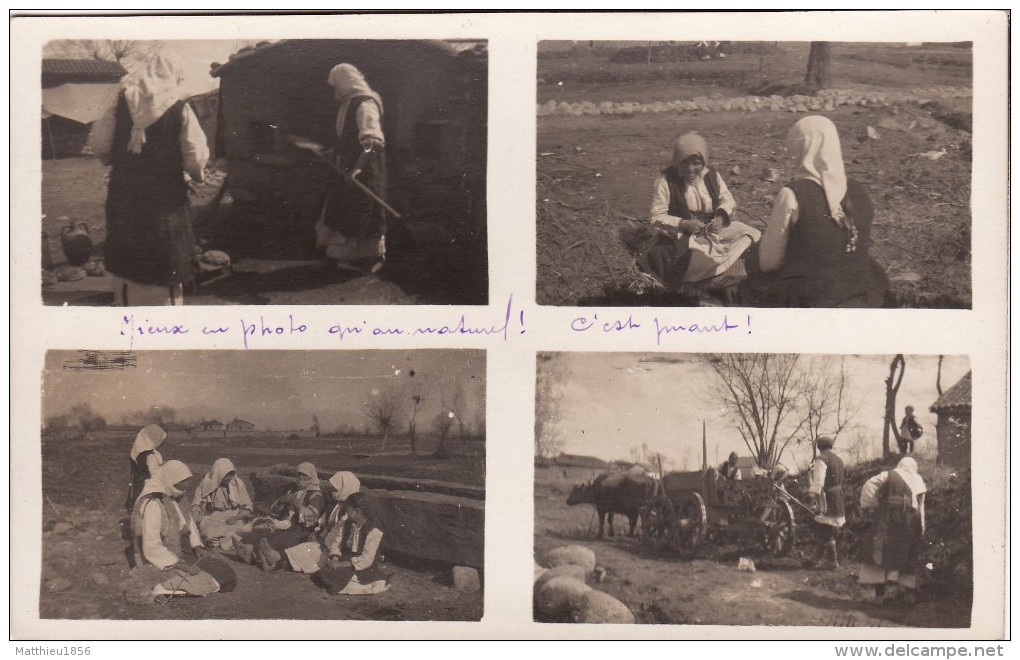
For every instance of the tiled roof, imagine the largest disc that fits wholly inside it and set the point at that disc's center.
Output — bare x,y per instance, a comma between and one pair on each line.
83,68
955,399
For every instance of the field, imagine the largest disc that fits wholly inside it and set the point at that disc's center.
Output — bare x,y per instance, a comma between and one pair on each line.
704,586
85,569
596,166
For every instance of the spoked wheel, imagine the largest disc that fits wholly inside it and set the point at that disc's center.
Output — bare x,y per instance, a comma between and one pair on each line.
657,523
692,522
780,528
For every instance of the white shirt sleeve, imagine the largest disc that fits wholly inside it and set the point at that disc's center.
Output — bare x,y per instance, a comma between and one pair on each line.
194,148
155,552
335,536
777,233
726,201
367,556
870,490
101,137
369,121
660,206
817,481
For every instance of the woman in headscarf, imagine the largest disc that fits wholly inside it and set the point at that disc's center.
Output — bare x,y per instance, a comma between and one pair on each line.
692,209
293,519
145,460
311,556
352,567
151,138
165,536
350,227
817,240
891,550
221,504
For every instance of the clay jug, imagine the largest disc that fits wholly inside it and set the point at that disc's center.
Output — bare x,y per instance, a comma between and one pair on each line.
76,243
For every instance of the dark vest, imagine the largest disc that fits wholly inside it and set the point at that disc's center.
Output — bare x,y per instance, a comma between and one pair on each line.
834,469
349,531
677,187
157,173
817,270
348,146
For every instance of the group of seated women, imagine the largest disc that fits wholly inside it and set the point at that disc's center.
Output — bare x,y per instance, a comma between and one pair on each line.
813,251
339,544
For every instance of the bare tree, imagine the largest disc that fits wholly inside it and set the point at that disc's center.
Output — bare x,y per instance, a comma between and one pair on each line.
550,377
827,404
938,377
316,429
760,394
443,422
818,66
383,407
892,386
457,405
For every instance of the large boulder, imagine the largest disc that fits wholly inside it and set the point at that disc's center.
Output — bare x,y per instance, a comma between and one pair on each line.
600,607
567,570
576,555
559,597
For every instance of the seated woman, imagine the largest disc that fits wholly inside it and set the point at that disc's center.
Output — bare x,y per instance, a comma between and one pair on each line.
165,536
816,244
293,519
145,461
692,210
353,565
311,556
221,504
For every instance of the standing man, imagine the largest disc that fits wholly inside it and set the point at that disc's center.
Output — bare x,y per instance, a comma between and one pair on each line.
825,494
910,430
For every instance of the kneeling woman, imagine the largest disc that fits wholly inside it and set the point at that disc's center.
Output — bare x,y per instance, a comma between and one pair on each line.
692,209
352,567
221,504
165,536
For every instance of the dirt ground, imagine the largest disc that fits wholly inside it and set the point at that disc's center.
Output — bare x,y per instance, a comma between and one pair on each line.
596,172
85,558
665,586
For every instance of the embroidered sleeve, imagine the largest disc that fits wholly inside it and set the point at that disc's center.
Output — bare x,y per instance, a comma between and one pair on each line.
369,121
155,552
777,233
367,556
194,148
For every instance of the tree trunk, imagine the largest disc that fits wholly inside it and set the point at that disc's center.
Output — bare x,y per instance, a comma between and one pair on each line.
938,378
413,437
819,60
891,389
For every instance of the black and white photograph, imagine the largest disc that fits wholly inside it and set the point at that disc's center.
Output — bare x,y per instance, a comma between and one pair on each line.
754,173
295,485
264,172
754,489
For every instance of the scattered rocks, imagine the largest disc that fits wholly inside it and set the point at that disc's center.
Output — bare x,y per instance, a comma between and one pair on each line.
58,585
577,555
466,579
100,579
559,597
62,527
600,607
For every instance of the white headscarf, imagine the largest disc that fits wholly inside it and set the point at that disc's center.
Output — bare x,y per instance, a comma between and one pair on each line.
907,470
814,144
345,483
166,480
214,477
308,470
148,439
348,82
150,96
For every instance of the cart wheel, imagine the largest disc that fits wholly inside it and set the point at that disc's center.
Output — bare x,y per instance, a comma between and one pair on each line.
692,519
657,523
781,529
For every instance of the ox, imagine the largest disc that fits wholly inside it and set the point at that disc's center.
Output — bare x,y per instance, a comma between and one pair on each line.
624,493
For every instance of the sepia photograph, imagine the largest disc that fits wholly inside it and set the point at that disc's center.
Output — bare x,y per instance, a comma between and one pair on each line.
291,485
753,489
754,173
258,172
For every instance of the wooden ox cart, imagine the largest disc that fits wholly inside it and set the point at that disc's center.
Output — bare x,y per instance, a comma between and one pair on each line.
424,518
690,507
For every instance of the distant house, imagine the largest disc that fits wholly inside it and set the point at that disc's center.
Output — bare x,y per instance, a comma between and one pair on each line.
574,460
240,425
75,93
214,425
953,427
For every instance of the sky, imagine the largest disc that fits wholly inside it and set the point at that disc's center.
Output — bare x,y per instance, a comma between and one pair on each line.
278,390
613,401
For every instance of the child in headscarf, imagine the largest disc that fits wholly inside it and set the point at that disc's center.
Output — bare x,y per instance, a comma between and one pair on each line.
294,517
693,209
221,504
145,461
350,226
160,528
819,232
151,138
353,565
891,550
311,556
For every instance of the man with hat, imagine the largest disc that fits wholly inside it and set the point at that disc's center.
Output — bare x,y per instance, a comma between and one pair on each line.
825,494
